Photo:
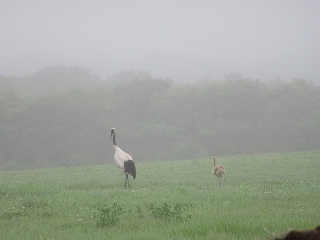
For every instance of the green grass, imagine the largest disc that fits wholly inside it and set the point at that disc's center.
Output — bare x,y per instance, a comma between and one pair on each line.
262,195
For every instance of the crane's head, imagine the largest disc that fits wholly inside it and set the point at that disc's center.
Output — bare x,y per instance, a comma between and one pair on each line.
112,132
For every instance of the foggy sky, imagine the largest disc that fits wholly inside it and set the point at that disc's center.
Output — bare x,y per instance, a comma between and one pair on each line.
184,40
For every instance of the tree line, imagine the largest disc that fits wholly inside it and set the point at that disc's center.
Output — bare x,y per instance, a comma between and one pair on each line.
155,119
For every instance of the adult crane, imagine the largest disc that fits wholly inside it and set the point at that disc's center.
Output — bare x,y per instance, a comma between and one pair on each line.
123,160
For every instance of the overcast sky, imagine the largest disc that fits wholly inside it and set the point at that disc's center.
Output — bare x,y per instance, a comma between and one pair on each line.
184,40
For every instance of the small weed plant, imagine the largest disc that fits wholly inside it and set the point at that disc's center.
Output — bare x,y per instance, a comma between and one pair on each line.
106,216
14,212
170,213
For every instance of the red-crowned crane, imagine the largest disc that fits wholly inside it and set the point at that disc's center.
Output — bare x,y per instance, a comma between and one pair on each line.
123,160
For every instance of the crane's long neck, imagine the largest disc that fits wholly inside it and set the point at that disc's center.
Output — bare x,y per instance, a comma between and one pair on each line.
114,139
214,161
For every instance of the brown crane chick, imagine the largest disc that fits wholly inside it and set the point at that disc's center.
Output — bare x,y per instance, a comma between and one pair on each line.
218,171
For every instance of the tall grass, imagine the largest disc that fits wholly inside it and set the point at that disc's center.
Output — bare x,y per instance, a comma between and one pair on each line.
262,195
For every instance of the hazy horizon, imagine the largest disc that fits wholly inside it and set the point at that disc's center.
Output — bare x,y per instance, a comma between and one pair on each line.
184,40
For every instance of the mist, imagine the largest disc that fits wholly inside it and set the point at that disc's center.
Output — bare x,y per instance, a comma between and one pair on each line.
184,40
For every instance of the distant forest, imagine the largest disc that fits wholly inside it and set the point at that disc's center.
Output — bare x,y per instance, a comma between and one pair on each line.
61,116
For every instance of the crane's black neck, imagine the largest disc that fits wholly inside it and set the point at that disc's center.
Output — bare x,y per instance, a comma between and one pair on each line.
114,139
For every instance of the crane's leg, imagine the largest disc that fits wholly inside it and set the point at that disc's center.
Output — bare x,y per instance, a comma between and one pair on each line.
128,181
125,181
221,180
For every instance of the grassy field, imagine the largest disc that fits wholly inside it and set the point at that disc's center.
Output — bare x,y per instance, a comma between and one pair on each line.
263,195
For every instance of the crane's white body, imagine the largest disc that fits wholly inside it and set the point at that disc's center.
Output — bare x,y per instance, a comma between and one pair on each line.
120,157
